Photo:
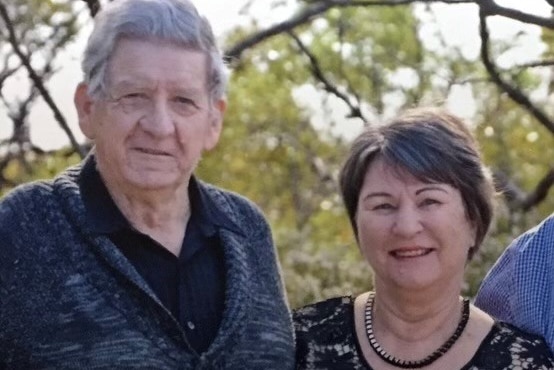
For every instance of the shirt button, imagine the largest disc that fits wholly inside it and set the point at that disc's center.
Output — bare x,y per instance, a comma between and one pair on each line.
190,324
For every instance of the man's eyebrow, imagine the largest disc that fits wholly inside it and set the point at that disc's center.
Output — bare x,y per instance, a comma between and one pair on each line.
187,90
127,82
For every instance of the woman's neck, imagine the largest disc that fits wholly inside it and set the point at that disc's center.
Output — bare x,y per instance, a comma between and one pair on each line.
417,334
421,325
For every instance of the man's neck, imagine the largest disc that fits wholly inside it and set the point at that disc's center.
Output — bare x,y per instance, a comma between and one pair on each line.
162,215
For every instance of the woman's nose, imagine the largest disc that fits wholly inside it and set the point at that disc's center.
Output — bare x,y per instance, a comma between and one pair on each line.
407,221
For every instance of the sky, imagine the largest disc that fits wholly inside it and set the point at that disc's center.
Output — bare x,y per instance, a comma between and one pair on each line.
225,14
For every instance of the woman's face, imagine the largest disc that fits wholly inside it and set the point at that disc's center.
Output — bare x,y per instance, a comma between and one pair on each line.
415,235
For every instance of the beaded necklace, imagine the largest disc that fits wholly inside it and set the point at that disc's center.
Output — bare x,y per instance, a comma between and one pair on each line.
387,357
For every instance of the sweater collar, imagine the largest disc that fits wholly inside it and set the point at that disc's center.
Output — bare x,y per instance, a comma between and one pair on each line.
105,217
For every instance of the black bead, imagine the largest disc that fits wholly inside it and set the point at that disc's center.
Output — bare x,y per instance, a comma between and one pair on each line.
388,358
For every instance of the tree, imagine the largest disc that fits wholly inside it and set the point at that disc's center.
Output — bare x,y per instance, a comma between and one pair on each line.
345,55
34,33
367,59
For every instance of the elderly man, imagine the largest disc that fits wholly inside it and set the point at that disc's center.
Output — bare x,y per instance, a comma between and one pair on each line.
128,260
519,288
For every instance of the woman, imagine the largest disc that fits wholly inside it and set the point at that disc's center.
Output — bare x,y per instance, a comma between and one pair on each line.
420,202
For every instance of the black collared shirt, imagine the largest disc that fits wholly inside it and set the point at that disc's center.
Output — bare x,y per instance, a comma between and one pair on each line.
192,285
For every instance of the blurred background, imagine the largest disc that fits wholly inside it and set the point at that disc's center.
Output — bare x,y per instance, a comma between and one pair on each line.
306,76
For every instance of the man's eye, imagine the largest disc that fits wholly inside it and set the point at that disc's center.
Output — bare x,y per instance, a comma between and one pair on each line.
184,101
184,106
133,97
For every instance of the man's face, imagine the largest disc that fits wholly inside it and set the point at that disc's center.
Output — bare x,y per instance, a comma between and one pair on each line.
157,120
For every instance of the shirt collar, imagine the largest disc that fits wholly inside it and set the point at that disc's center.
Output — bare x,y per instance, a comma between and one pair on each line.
102,213
104,216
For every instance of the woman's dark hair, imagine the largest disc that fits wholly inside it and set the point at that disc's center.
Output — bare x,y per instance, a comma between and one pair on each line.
433,146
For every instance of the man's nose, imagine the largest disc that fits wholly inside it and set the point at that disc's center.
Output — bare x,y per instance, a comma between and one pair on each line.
159,119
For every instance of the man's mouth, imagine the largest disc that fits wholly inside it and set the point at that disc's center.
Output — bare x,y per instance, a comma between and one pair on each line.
152,151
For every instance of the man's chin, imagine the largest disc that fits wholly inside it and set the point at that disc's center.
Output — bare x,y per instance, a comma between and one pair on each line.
156,180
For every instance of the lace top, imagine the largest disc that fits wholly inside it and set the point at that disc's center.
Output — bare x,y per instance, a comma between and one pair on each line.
326,340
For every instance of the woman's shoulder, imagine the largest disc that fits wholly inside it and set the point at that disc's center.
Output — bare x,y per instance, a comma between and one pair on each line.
508,347
508,333
332,309
325,336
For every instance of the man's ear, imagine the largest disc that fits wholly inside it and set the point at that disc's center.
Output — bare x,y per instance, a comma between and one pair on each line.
84,104
216,124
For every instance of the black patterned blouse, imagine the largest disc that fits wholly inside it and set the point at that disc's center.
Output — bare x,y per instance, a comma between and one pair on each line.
326,340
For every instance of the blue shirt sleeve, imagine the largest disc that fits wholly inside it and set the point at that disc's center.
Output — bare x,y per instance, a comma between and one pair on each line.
519,288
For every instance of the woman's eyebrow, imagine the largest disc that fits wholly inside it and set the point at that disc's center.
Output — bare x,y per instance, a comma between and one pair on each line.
377,194
431,188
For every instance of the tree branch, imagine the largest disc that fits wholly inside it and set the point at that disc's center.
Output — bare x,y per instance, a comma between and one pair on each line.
93,7
355,110
519,199
539,63
37,81
514,94
540,192
489,7
310,12
306,15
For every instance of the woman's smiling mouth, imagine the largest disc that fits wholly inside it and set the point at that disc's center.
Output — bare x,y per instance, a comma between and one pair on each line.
410,252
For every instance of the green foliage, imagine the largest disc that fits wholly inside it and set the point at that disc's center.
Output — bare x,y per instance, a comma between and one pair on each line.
41,25
317,271
272,152
31,166
270,147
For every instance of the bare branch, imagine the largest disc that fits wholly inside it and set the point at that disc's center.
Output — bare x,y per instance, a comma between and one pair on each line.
541,191
5,74
519,199
93,7
539,63
355,110
37,80
303,17
489,7
309,13
515,94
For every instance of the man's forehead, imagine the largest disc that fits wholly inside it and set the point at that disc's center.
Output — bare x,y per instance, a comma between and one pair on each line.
123,82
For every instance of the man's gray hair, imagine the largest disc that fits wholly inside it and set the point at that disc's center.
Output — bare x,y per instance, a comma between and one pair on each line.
174,21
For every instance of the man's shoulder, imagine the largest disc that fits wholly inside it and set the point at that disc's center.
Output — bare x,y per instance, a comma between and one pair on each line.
233,211
536,241
25,195
43,187
228,200
514,288
543,233
36,200
23,213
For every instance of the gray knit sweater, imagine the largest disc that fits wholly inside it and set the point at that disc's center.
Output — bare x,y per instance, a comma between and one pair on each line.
70,300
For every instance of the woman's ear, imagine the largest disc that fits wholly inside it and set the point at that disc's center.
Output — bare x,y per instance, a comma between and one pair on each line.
84,105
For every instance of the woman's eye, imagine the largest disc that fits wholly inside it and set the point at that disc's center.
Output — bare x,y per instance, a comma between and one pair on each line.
383,206
429,202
